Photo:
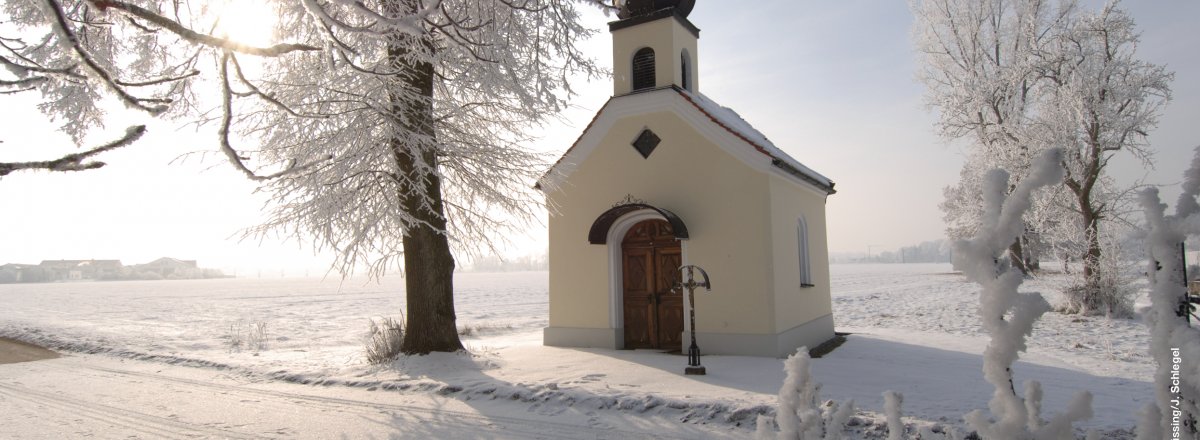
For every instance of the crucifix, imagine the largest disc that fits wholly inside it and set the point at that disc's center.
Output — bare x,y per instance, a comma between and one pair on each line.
694,367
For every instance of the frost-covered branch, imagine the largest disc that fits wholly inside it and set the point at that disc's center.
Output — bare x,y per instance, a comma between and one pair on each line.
499,69
799,414
1007,315
71,41
232,154
77,161
892,401
197,37
1175,345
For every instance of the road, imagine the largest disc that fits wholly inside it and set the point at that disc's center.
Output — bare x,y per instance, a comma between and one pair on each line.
104,397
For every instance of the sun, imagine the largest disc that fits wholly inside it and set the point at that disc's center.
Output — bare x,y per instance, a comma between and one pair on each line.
247,22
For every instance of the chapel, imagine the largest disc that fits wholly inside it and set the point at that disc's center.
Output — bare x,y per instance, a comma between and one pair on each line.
663,177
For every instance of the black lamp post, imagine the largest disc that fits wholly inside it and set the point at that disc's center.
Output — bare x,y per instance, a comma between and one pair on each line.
694,367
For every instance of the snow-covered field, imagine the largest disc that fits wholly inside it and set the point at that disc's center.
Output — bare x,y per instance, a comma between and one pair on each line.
914,330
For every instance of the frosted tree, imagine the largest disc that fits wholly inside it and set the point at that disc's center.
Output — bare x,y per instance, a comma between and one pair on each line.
1100,100
76,58
422,108
1017,77
1007,315
391,131
1175,345
977,68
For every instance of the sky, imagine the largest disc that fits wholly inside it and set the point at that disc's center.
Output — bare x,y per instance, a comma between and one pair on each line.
831,83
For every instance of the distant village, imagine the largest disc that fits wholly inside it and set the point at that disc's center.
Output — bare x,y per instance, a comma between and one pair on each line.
50,271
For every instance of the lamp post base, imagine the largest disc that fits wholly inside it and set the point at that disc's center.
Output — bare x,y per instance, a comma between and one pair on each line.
695,371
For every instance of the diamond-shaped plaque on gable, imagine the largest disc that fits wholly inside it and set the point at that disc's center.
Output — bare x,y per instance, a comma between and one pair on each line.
646,143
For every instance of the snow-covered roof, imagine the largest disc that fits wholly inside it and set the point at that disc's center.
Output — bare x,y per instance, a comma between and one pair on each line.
733,122
721,116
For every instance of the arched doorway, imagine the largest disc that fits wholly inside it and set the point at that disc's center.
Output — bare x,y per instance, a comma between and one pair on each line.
650,260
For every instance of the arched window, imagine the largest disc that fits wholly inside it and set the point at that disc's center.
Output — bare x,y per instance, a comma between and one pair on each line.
643,69
805,261
685,63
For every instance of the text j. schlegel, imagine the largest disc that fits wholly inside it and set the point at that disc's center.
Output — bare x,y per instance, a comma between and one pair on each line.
1176,412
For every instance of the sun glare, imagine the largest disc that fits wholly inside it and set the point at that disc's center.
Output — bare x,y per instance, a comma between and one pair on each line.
247,22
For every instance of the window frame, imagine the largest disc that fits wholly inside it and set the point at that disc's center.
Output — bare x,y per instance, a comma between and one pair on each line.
802,251
643,68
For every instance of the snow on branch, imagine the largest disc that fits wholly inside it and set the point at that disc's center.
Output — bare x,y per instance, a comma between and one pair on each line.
223,133
197,37
77,161
980,260
71,43
1174,343
21,85
798,415
436,117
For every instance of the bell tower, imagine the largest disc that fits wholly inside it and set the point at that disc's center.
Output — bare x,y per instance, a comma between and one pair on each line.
654,45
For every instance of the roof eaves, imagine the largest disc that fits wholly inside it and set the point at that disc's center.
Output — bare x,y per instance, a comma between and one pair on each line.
793,171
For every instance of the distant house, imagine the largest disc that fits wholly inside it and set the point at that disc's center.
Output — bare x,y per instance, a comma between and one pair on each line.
104,270
19,273
170,268
76,270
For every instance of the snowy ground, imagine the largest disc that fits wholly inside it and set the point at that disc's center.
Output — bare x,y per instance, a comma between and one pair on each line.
914,331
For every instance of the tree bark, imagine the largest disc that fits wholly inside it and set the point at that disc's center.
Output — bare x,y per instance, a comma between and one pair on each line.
428,264
429,285
1082,187
1091,254
1091,214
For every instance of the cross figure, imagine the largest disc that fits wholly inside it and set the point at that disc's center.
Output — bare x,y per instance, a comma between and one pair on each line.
694,367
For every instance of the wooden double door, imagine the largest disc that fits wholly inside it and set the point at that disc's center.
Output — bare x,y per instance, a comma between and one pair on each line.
651,258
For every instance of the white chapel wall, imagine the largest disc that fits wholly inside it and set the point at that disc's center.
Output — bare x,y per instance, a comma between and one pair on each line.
796,305
723,202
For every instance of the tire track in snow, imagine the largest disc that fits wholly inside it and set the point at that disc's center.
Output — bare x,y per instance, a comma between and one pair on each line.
150,425
484,426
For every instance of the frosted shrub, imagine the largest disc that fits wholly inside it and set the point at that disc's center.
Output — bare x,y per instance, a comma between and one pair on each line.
799,416
234,338
256,336
250,336
1111,291
1174,344
384,340
1007,315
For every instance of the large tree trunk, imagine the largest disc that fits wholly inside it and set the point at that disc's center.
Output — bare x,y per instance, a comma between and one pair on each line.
429,282
1091,253
428,264
1082,187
